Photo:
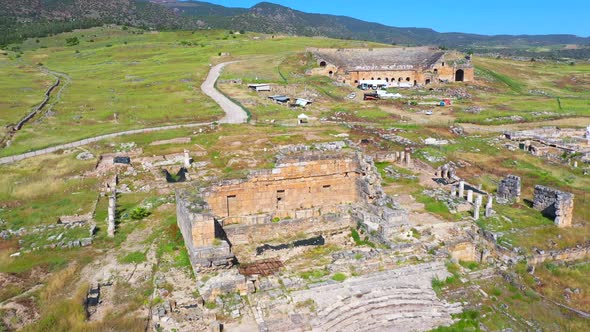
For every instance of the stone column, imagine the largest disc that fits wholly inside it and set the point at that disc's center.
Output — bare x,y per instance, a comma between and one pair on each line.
470,196
453,191
479,200
112,210
476,211
408,159
402,156
187,159
451,174
461,188
489,206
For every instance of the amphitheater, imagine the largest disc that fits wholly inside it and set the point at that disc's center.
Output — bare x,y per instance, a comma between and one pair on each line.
399,66
395,300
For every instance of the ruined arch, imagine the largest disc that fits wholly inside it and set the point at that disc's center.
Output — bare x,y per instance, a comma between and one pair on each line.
427,81
459,75
323,64
330,73
415,82
407,79
435,71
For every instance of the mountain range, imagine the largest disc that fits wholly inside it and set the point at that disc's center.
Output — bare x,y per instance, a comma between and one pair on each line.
29,18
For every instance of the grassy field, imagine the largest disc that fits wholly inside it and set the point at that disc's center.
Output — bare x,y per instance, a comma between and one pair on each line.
146,79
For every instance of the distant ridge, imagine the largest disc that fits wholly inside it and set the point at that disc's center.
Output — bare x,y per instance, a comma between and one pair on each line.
31,18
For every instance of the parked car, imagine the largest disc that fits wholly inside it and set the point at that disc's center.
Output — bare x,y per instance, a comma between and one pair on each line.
429,112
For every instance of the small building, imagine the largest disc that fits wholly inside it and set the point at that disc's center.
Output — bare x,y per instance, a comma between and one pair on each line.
259,87
280,99
302,102
302,119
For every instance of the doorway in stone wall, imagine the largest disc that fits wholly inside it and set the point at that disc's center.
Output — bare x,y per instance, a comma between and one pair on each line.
232,204
459,75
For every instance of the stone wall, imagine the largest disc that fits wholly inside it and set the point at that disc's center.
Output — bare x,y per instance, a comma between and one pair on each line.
555,204
243,234
307,184
509,189
202,235
464,251
565,255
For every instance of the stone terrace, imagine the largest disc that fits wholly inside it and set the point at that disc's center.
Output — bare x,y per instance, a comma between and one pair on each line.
380,58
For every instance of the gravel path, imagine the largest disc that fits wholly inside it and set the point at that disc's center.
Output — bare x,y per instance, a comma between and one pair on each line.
11,159
233,112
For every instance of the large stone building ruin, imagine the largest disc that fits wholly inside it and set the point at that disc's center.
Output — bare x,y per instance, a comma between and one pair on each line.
313,192
413,66
555,204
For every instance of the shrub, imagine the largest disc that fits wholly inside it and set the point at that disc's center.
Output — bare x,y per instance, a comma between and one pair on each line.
72,41
340,277
139,213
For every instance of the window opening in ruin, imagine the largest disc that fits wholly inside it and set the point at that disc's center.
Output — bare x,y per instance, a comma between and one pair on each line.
326,186
459,75
330,73
323,64
443,64
345,174
372,78
415,82
356,81
435,71
427,81
393,79
407,79
399,79
379,78
386,79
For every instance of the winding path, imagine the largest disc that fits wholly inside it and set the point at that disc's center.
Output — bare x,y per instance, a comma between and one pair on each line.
233,114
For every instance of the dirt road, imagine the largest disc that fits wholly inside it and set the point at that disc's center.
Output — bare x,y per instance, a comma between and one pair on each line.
233,112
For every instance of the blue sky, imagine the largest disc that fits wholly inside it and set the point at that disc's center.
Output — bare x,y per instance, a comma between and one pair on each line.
474,16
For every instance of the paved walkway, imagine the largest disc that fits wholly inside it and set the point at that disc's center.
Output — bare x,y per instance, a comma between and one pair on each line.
233,114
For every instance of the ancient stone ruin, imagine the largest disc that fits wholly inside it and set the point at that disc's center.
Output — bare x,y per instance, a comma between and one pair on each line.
310,192
555,204
509,189
398,67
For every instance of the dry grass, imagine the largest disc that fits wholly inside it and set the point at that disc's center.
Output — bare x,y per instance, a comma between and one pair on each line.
59,283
